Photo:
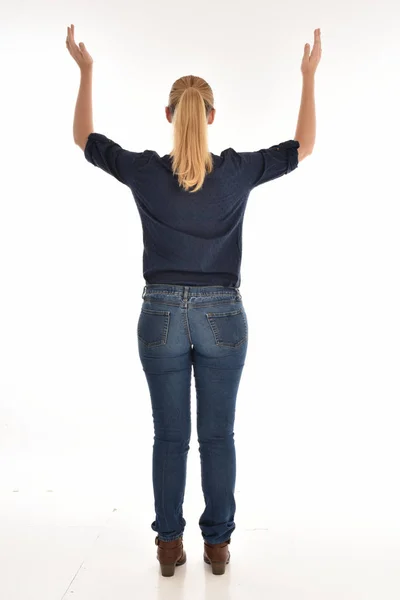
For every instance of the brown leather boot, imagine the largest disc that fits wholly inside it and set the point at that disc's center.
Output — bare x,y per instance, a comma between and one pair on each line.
170,555
218,556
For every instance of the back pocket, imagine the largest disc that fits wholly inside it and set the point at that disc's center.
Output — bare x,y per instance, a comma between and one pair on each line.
229,328
153,326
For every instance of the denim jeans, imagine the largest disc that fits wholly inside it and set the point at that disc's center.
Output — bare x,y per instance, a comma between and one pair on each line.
204,326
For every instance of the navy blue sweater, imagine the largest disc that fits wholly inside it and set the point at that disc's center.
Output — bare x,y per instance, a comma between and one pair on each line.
192,239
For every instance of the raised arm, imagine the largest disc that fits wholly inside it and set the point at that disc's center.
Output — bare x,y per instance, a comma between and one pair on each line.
306,123
83,118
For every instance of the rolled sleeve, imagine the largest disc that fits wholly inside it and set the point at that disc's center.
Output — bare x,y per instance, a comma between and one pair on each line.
270,163
106,154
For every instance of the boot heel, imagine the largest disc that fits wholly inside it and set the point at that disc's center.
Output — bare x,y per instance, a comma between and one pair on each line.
168,570
218,568
166,552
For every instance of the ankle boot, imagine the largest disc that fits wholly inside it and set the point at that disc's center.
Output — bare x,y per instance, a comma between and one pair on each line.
218,556
170,555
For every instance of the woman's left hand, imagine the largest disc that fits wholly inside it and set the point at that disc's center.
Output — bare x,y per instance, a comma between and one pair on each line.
78,53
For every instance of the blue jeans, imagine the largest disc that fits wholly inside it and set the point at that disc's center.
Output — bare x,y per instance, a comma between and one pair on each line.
204,326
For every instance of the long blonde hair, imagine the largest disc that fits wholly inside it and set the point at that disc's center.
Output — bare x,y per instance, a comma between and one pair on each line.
190,102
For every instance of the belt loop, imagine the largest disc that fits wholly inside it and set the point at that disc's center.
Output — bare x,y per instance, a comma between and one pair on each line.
144,292
238,297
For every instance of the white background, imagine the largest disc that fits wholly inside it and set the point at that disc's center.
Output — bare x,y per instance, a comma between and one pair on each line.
317,425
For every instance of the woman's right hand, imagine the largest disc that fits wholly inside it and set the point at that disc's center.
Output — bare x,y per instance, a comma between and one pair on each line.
310,61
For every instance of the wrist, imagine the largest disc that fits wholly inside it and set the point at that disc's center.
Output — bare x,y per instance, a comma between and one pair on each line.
309,77
86,70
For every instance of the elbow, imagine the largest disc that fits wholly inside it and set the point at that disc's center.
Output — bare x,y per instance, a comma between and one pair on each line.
81,139
304,151
81,143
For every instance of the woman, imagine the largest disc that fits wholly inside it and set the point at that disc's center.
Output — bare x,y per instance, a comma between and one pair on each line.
191,204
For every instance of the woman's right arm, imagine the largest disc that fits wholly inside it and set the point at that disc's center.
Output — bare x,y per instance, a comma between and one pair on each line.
306,123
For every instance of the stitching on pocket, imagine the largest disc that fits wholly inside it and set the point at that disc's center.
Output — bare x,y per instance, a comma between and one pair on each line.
162,326
226,334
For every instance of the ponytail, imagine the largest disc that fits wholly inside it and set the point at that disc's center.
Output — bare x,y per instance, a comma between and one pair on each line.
191,101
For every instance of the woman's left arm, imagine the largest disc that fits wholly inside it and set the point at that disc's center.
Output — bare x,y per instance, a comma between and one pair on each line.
83,119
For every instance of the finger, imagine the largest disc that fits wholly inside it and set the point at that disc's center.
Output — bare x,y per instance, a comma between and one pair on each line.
71,34
317,43
73,49
317,37
71,39
306,49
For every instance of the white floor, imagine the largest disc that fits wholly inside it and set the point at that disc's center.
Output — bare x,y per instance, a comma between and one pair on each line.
55,546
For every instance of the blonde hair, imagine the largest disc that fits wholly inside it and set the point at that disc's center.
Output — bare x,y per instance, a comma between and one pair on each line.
190,102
